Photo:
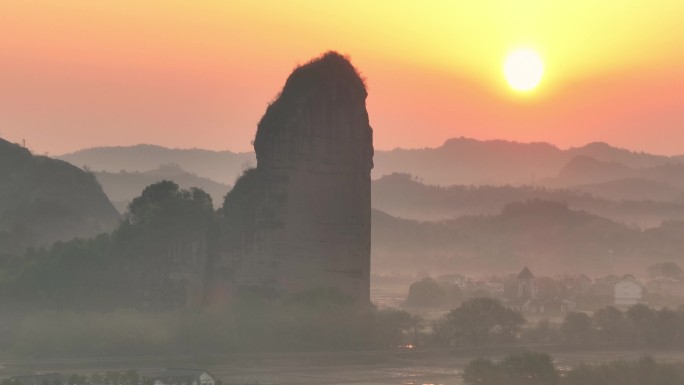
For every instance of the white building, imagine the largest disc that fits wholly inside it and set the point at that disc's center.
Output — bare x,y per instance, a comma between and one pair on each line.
183,377
628,291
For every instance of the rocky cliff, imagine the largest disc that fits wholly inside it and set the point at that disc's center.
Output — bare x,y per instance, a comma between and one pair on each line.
43,200
301,220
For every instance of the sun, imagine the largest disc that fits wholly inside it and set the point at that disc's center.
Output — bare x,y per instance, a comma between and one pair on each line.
523,69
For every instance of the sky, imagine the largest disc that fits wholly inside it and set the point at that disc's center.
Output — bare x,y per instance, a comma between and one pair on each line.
82,73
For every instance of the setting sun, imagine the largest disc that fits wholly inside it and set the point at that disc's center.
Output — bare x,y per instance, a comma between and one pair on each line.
523,69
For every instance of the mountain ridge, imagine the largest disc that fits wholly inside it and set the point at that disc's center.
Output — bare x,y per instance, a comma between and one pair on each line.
457,161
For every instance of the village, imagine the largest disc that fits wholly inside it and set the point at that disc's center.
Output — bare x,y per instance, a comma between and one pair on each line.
662,285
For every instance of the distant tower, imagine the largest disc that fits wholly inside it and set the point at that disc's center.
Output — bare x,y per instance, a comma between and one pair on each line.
526,286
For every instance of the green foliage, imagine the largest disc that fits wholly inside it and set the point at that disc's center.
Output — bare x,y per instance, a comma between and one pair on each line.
538,369
645,371
166,229
76,274
477,322
246,326
639,325
482,371
611,324
518,369
543,332
66,333
426,293
577,328
164,205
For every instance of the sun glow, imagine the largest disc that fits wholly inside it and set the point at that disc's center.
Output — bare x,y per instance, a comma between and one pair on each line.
523,69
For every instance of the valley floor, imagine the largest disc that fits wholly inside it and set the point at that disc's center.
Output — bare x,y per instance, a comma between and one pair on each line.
362,368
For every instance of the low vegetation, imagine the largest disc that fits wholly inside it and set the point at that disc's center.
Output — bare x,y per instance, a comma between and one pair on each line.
538,369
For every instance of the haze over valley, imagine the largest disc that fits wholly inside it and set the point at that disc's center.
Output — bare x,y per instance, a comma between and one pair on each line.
622,206
360,192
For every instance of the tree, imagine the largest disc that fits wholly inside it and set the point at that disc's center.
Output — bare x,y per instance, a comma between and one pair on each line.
417,324
478,322
544,332
166,229
481,371
528,368
666,327
665,269
642,320
392,327
425,293
577,328
611,324
645,371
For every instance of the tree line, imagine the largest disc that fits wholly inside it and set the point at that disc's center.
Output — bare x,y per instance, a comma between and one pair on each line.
487,322
532,368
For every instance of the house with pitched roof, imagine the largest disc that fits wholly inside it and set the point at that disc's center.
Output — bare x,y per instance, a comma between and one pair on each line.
628,291
183,377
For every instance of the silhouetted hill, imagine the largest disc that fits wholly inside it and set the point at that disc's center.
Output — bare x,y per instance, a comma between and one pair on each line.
499,162
458,161
547,235
123,186
583,169
663,182
607,153
221,166
470,161
633,189
403,196
672,173
43,200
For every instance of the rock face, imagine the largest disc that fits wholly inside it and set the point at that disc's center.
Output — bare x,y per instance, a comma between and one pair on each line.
310,193
43,200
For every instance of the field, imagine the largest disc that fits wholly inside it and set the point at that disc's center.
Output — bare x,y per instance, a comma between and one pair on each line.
362,368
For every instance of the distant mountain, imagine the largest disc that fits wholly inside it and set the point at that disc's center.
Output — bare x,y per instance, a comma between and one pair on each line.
404,196
123,186
458,161
607,153
547,235
585,169
221,166
469,161
43,200
633,189
497,162
661,182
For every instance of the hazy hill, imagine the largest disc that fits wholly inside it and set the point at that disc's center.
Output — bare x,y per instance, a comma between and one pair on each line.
585,169
607,153
123,186
469,161
43,200
547,235
221,166
633,189
403,196
457,161
498,162
662,182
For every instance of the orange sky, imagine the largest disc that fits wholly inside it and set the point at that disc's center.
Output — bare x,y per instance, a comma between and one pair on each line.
85,73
